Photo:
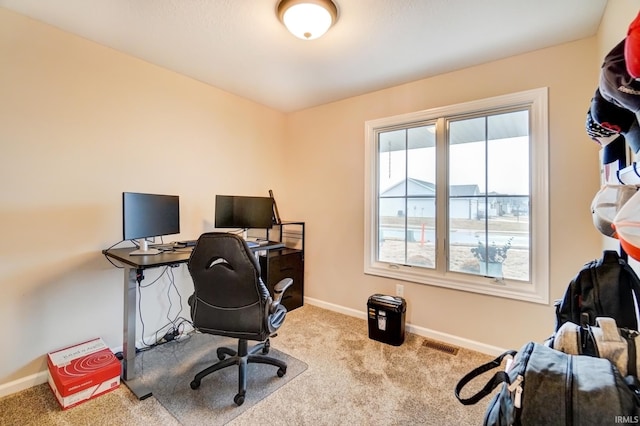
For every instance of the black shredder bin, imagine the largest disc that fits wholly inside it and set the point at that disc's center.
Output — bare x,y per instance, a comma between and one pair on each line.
386,318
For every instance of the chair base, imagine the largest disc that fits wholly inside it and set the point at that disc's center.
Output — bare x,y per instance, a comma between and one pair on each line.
241,358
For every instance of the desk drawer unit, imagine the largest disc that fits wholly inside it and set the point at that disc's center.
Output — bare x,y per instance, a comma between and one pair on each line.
285,263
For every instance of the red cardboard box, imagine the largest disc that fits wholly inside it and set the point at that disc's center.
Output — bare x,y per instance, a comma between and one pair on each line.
82,372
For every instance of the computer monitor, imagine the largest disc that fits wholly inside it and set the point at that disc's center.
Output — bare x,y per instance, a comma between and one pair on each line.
149,215
234,211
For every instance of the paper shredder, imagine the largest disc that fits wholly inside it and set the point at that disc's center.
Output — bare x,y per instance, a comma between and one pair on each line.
386,318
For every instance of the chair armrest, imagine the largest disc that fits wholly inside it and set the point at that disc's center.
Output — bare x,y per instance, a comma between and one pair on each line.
279,289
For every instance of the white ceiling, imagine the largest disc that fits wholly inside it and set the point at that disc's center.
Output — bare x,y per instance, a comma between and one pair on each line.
240,45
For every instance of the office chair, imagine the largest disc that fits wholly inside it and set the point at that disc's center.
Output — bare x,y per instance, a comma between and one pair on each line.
231,300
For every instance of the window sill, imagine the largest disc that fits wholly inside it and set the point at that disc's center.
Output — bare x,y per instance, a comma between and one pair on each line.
471,283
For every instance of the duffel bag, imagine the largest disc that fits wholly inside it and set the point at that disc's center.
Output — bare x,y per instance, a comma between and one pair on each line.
605,340
543,386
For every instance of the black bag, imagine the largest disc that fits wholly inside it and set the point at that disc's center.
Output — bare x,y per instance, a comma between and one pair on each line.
548,387
603,288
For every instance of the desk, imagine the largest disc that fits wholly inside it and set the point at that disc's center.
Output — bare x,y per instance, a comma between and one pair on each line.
133,276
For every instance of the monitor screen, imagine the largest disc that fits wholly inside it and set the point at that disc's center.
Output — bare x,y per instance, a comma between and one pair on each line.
243,212
149,215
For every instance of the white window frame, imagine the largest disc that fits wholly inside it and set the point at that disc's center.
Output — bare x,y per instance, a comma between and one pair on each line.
537,288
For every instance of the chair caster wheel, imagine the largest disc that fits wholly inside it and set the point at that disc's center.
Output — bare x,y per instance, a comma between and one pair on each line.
221,355
195,384
239,399
282,372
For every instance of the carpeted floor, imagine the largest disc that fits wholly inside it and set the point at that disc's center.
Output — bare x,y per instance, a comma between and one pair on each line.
169,369
350,379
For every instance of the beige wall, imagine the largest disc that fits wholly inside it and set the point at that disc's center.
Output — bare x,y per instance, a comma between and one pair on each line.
80,124
331,195
615,22
331,159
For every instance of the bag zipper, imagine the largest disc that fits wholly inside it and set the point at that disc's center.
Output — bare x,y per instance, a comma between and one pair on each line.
569,393
630,337
516,386
520,379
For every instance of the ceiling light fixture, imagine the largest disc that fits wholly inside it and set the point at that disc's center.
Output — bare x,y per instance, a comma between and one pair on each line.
307,19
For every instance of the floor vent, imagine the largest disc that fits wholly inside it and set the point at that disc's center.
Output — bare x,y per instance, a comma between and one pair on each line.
442,347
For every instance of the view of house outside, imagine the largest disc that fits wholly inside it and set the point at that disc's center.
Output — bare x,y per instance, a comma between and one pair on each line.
488,230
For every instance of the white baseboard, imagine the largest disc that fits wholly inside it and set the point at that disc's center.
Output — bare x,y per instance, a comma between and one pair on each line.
336,308
41,377
420,331
23,383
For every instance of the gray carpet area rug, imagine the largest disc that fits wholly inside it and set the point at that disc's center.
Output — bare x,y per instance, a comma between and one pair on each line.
169,369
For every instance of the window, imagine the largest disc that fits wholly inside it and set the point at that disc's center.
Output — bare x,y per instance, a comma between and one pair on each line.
458,196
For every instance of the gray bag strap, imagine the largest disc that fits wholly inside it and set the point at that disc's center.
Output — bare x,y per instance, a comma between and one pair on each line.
609,329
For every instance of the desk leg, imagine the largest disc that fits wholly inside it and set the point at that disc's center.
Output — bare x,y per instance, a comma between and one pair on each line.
129,332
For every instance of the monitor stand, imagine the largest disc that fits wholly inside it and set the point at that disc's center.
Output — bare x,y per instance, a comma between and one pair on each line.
144,249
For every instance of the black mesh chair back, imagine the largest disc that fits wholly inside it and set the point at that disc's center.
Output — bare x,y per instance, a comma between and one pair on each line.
230,297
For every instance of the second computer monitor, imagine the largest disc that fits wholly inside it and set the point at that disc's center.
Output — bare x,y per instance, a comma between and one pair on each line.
234,211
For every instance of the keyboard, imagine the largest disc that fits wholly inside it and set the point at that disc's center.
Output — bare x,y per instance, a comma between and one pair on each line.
166,246
175,245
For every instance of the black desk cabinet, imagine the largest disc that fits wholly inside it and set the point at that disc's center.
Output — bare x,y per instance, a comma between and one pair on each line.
285,263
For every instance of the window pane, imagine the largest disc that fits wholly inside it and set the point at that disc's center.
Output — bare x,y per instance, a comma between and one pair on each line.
467,156
421,207
392,163
406,226
508,153
421,160
392,174
489,196
391,230
421,236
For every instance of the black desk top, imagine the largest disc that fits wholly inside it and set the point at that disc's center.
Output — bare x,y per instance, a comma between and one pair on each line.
179,255
149,261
